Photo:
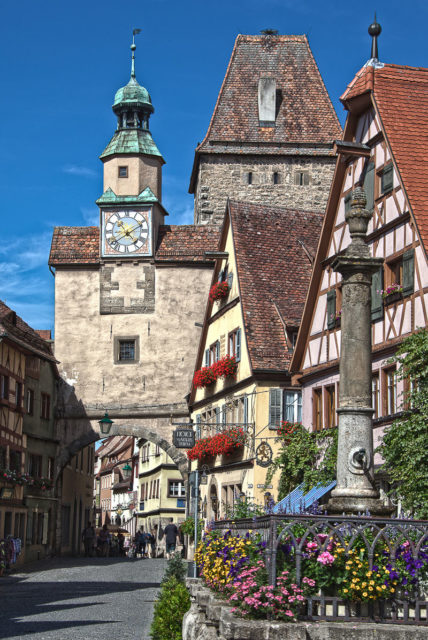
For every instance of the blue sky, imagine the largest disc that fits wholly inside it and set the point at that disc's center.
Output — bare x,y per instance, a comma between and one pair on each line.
61,63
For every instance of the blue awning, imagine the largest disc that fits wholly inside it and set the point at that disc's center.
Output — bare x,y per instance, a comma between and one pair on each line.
297,501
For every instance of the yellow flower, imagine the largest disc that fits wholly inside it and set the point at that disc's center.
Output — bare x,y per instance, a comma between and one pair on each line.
371,582
364,584
365,594
345,591
354,573
392,589
370,588
383,586
369,573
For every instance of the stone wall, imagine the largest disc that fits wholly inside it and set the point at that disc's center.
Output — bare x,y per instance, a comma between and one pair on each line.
209,618
222,177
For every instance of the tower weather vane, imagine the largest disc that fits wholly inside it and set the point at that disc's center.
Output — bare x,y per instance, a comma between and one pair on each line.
135,32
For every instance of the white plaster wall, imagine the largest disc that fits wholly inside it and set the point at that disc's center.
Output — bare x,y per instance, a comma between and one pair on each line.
168,338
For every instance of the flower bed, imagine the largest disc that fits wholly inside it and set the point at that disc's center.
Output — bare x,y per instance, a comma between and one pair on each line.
221,444
233,566
219,290
223,368
378,564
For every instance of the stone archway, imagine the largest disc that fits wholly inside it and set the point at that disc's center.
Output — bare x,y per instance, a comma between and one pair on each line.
89,436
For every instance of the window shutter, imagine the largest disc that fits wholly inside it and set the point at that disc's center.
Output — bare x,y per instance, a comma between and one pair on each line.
230,279
245,417
331,309
377,300
275,407
299,406
198,426
223,414
217,351
238,346
387,179
347,203
207,358
408,272
369,185
217,418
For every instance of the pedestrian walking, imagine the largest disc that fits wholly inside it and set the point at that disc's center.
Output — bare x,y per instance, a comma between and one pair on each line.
152,543
171,535
104,540
88,538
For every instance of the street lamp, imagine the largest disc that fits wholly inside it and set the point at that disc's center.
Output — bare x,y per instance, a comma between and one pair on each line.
204,474
105,424
126,470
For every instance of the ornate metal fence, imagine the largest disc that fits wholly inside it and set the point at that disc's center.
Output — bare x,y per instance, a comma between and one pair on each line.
364,540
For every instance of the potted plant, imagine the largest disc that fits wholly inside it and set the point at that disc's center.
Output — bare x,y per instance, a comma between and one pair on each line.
219,290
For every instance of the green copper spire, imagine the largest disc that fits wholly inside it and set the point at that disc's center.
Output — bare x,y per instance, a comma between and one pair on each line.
133,108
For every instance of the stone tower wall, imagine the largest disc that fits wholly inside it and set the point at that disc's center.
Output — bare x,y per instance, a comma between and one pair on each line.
221,177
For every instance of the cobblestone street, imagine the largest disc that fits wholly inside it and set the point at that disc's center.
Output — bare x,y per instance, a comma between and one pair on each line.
80,598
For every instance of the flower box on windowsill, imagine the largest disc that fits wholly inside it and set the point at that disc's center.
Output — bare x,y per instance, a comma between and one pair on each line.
224,368
219,291
393,297
222,444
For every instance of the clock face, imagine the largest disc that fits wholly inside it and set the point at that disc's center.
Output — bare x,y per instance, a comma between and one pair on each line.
126,233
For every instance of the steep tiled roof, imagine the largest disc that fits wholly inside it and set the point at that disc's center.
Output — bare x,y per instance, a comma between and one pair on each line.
306,122
305,114
81,245
401,95
11,325
274,273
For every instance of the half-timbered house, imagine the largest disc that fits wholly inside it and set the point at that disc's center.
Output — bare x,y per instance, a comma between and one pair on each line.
384,149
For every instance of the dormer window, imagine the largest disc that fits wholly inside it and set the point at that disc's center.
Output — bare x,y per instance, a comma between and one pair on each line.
123,172
267,102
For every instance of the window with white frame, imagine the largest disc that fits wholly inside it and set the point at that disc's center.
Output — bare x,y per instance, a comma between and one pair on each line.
176,489
293,406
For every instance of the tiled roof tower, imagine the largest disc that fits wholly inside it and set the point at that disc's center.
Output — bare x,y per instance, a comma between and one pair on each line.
273,117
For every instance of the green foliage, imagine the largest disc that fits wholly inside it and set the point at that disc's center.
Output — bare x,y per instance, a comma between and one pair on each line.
170,607
405,442
175,568
304,457
188,527
243,507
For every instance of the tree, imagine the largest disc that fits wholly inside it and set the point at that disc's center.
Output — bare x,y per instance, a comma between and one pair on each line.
405,443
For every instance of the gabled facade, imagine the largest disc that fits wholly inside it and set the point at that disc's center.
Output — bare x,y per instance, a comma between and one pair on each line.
265,257
384,149
162,493
270,139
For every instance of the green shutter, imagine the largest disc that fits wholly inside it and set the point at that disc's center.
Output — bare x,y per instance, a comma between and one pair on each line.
331,309
376,298
369,185
408,272
238,346
387,179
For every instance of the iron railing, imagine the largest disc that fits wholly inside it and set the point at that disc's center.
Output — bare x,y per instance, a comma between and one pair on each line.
366,532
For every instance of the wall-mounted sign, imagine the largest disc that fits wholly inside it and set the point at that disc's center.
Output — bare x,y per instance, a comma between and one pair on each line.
183,438
264,454
6,492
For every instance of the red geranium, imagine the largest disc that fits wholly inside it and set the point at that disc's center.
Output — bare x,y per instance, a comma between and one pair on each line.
220,444
204,377
225,367
219,290
287,429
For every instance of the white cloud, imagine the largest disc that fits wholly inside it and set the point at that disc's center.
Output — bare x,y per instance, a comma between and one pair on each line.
91,215
76,170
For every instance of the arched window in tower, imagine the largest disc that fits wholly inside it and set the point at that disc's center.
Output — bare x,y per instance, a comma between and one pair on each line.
250,177
276,177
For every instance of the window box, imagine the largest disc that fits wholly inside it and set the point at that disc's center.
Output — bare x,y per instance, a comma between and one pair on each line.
221,444
392,293
219,290
223,368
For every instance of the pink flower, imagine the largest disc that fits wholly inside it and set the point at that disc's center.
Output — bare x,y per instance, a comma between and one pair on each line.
325,558
311,545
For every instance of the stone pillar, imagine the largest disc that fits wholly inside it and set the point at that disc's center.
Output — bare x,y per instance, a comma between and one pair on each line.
355,491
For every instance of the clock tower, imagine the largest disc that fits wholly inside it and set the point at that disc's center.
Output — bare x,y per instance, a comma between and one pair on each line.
130,207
